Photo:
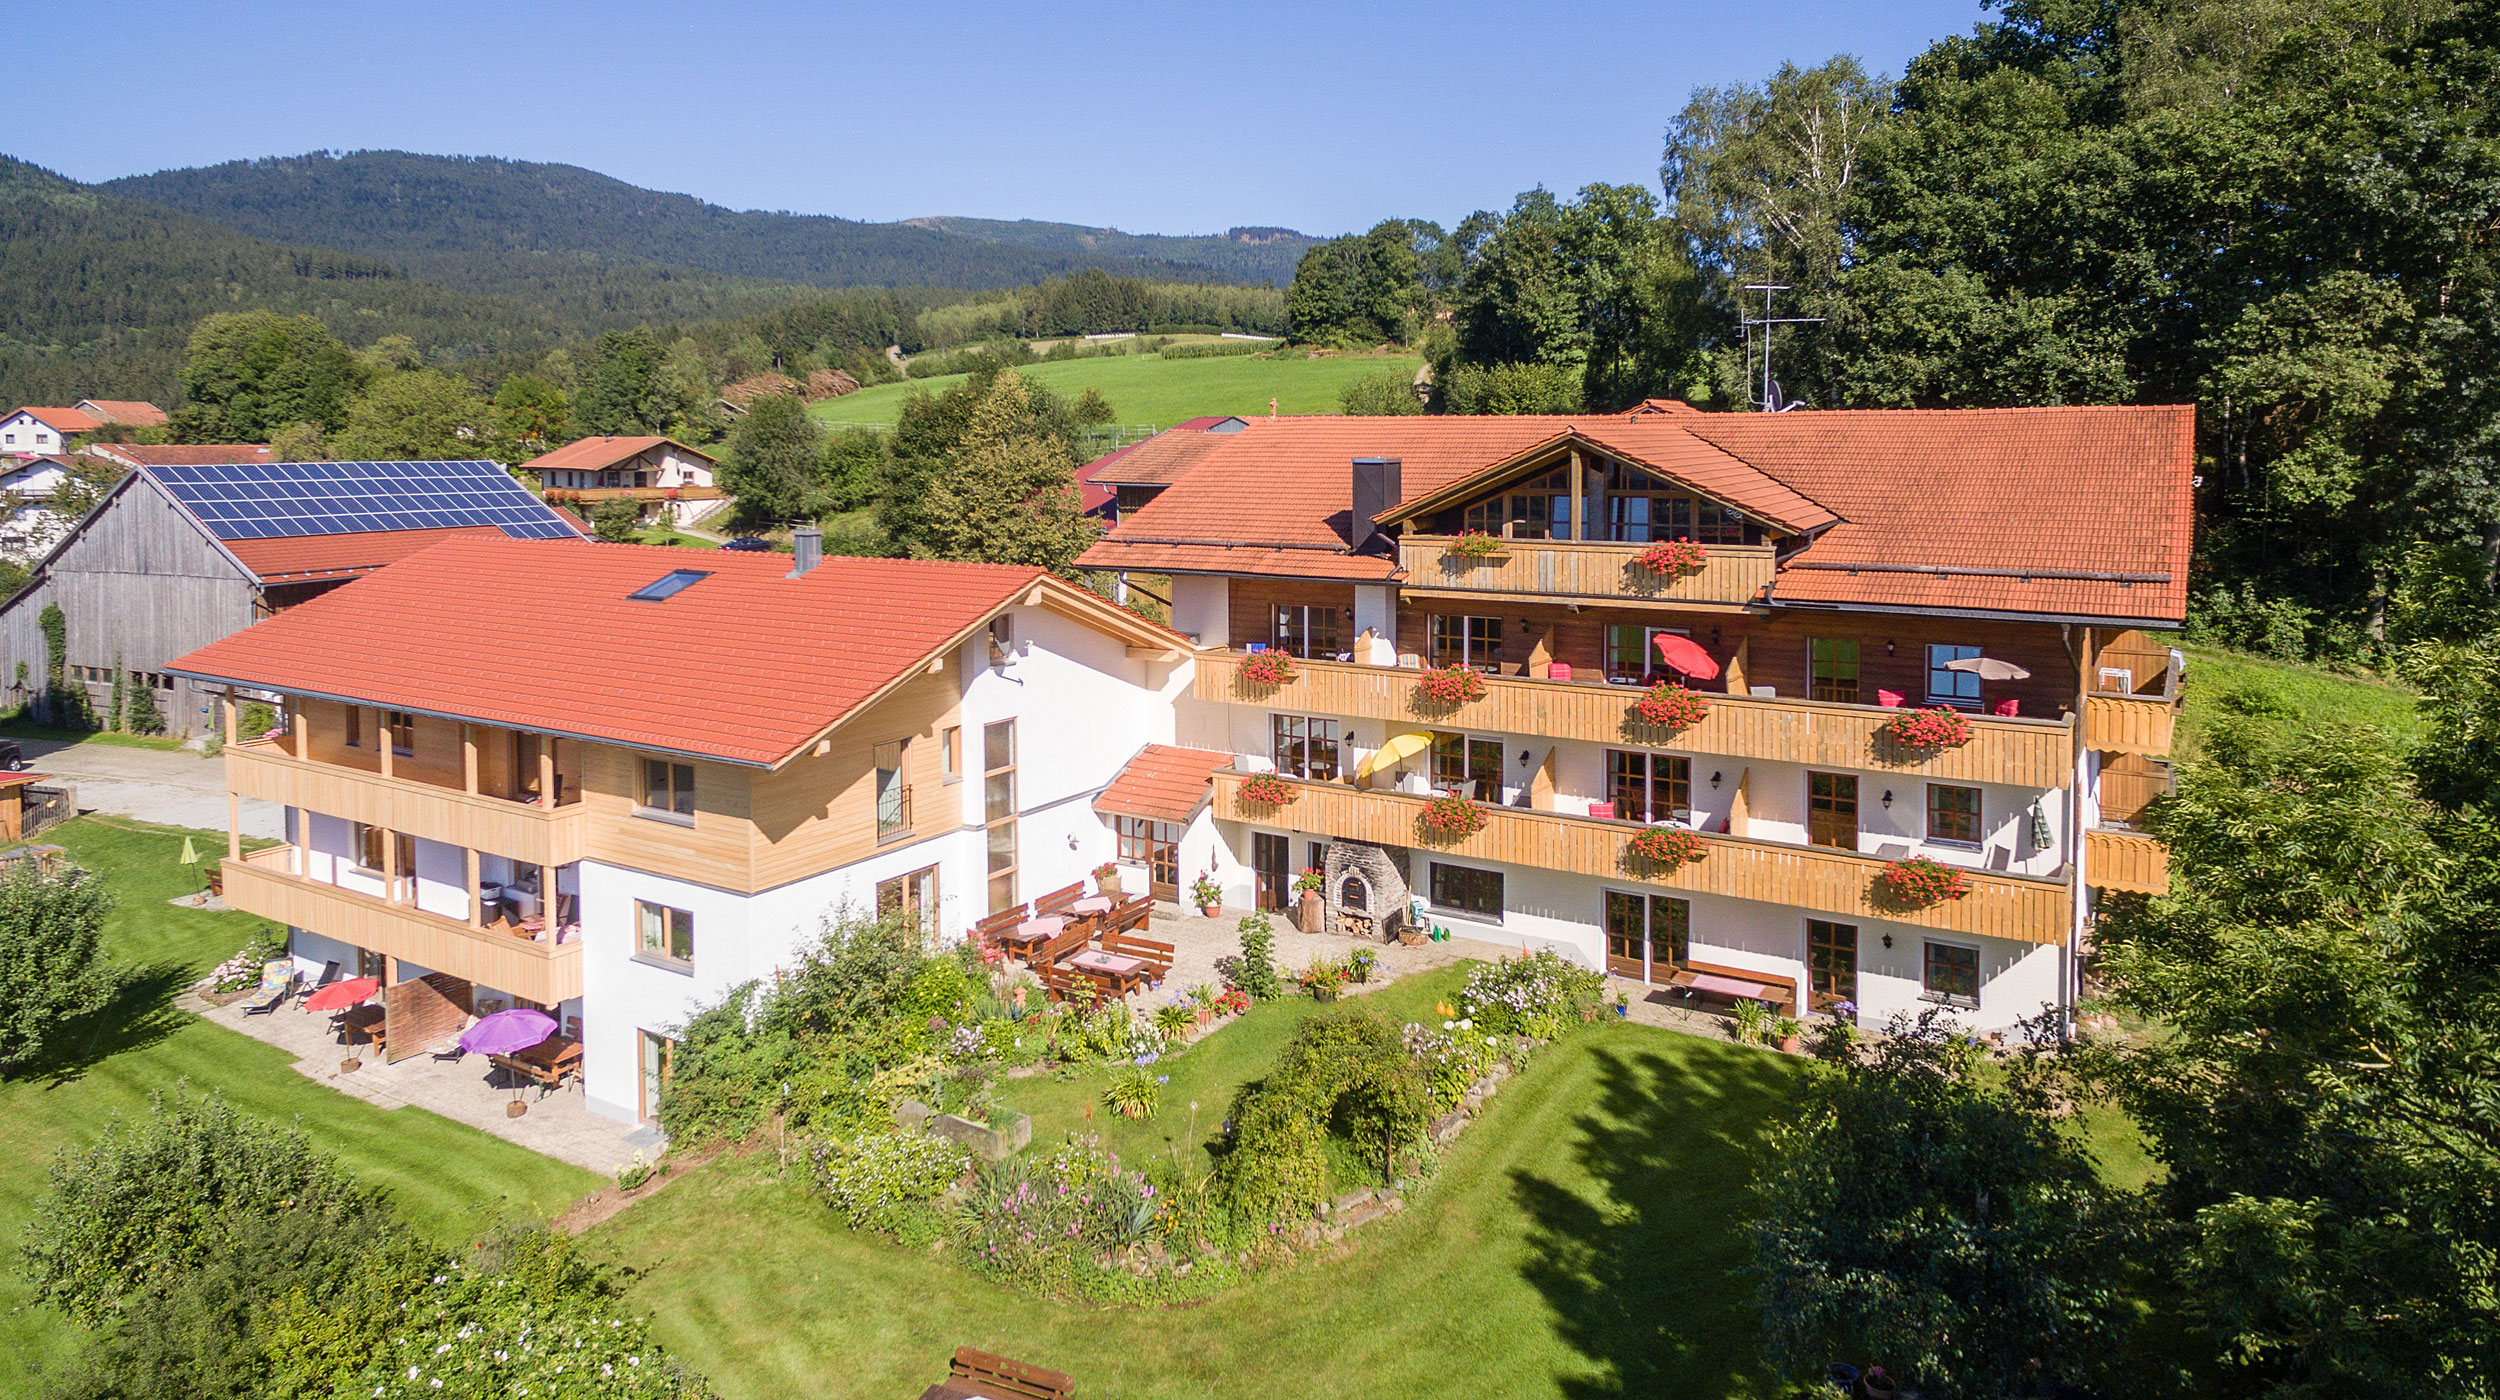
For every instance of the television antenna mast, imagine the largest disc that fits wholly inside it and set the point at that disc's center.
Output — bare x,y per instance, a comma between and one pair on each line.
1770,387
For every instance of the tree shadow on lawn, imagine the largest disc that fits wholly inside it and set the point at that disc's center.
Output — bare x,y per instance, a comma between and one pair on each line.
1641,1278
138,1013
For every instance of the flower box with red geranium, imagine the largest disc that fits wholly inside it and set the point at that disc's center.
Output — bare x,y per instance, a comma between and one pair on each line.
1475,544
1929,730
1672,557
1267,668
1919,882
1452,818
1667,847
1670,706
1444,686
1267,790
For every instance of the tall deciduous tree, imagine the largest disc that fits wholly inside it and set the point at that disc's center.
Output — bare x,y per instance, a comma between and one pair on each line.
249,373
419,415
52,968
775,464
1010,496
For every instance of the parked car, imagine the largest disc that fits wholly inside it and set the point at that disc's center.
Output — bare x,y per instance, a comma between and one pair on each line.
11,759
748,543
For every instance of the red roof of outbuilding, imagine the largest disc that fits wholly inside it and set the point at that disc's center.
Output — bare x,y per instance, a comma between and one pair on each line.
1163,783
745,665
138,413
63,420
312,558
182,454
592,454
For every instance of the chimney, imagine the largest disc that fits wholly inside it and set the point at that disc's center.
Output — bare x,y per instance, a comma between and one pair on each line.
807,543
1375,490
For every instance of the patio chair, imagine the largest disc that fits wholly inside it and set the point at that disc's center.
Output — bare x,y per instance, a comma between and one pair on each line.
1889,699
277,978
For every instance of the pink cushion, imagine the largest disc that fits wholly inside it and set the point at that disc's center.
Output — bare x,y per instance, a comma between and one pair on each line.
1560,671
1890,699
1601,809
2009,707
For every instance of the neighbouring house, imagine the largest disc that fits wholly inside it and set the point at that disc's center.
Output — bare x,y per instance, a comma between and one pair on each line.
28,432
1141,471
1500,611
27,486
178,454
176,556
619,782
665,478
135,413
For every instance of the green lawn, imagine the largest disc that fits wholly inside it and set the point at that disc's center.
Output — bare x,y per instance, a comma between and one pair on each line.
450,1180
28,729
1151,389
1577,1242
2318,694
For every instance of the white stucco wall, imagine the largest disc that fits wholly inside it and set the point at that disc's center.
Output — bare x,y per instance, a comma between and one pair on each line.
1202,609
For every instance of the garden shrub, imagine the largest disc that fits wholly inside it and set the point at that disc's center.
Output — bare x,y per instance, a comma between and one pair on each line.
52,966
1345,1073
1539,996
877,1180
1256,972
1079,1225
1452,1058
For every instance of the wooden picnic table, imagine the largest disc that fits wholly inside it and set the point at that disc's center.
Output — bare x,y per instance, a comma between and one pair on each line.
1021,940
547,1064
367,1019
1114,972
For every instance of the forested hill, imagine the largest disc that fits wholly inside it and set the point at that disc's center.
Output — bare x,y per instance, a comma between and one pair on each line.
486,224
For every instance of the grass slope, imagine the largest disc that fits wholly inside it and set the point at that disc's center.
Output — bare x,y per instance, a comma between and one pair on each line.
2319,695
1577,1242
448,1179
1151,389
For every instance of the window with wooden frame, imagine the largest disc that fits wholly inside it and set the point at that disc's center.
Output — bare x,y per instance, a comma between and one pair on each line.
1650,787
667,788
1467,766
1632,651
1951,974
1305,747
1717,524
1948,686
1466,641
892,762
998,811
403,730
1155,845
1953,814
1466,890
1311,631
370,850
915,894
1831,963
664,934
951,753
1834,669
1531,510
1832,810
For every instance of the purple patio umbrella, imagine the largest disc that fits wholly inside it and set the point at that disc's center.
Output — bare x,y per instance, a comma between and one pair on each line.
507,1031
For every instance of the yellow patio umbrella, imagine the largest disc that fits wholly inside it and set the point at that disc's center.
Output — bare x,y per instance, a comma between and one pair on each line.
1400,748
190,856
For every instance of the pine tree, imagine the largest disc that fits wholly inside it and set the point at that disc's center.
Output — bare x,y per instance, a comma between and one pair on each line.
121,686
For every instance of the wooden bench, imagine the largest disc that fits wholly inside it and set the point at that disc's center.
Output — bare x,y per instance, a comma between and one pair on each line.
1063,986
1072,936
1156,956
977,1375
1128,916
1058,900
986,932
1774,990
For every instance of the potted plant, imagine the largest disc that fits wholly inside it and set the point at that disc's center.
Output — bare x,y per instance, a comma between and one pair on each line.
1623,1006
1929,731
1475,544
1668,705
1323,979
1443,687
1310,911
1207,895
1266,669
1669,558
1449,818
1918,882
1202,1004
1359,964
1666,848
1107,879
1787,1031
1267,790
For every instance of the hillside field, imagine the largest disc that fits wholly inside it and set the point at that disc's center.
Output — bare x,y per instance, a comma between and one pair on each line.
1151,389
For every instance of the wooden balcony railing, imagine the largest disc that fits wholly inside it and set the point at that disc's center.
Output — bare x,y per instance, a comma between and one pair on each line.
2125,860
524,831
2129,723
1838,883
2023,752
592,495
1734,574
263,883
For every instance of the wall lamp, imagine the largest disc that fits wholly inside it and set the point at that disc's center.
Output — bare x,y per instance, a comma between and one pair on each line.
1887,940
1714,780
1887,798
1887,646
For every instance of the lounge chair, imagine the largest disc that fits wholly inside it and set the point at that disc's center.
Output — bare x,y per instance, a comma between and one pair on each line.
277,978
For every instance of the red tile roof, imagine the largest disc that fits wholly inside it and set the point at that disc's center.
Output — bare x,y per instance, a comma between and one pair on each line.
1163,783
1159,460
184,454
138,413
63,420
312,558
592,454
746,665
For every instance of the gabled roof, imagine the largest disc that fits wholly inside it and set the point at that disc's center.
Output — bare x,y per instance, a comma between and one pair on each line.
1677,456
1162,459
592,454
315,558
62,420
745,665
180,454
1163,784
137,413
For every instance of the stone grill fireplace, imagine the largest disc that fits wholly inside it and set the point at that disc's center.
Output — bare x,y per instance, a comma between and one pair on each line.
1366,888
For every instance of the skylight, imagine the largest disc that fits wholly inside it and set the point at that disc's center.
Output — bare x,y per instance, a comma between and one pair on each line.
670,584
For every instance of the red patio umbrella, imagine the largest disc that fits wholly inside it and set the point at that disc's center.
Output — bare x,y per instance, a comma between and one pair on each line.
1685,655
342,994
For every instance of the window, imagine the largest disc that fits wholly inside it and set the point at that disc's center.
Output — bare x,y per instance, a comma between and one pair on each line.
1831,963
1531,510
1952,974
1467,767
1832,810
998,810
1632,651
1466,641
403,728
1718,524
654,1056
1306,747
1952,687
951,753
893,789
666,935
1465,890
355,726
1271,870
1309,631
1835,670
1157,846
1647,936
1650,787
669,585
1953,814
668,788
369,847
915,893
1002,638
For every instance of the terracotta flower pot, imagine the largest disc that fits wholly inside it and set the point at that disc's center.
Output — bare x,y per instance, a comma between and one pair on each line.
1789,1044
1211,910
515,1109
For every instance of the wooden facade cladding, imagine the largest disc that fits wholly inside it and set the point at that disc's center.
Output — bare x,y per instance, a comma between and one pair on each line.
263,883
1823,880
2019,752
2129,723
524,831
2126,860
1734,575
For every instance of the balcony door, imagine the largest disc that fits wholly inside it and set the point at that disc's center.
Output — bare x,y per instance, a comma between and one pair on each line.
1648,937
1832,810
1831,963
1271,857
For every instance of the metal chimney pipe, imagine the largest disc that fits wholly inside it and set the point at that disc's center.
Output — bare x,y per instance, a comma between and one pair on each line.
807,545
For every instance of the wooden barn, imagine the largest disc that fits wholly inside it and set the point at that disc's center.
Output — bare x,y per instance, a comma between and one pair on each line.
176,557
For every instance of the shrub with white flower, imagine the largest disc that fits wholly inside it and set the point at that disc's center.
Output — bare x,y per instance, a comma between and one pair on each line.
870,1178
1538,996
1453,1058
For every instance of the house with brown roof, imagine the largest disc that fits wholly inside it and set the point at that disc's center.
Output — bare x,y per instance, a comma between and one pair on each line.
178,454
662,476
1819,708
617,782
135,413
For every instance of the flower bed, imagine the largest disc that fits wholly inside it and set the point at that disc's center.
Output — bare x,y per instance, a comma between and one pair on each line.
1670,706
1444,686
1475,544
1919,882
1452,818
1267,669
1672,557
1929,730
1267,790
1539,996
1667,847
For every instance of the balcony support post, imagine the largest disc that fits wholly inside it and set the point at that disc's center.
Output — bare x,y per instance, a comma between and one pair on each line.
303,737
303,841
547,772
468,758
476,914
383,743
234,802
1579,498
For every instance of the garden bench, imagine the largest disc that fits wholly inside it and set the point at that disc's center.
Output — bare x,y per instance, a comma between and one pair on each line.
1058,900
1156,956
1060,985
977,1375
1070,937
999,928
1736,984
1129,915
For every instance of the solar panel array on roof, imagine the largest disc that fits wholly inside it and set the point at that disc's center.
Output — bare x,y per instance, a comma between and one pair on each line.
280,500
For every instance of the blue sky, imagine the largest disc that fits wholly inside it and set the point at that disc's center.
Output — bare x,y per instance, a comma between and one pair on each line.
1170,118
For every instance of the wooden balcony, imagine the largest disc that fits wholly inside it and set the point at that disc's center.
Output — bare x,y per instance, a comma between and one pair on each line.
1575,570
2129,723
2125,860
593,495
524,831
2024,752
1837,883
263,883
